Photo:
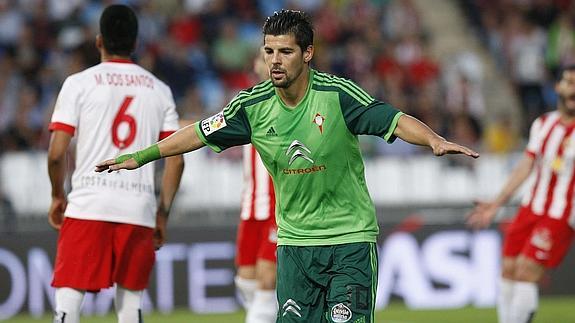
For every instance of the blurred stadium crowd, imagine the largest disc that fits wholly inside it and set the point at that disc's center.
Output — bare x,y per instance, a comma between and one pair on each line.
530,40
204,50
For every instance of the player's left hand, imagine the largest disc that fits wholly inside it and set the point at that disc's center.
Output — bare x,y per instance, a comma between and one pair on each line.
160,230
116,164
56,212
442,147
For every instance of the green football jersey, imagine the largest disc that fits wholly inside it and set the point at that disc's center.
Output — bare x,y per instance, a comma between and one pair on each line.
312,154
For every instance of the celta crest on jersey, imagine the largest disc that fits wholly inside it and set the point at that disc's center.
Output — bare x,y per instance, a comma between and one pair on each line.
319,120
213,123
298,150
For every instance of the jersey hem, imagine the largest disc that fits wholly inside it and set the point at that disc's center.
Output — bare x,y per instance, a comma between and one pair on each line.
71,130
389,137
166,134
112,219
327,242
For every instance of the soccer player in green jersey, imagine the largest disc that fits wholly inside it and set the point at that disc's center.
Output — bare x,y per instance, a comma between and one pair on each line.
305,126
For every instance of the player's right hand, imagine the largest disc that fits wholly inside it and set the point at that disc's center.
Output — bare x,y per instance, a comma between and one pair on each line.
482,215
121,162
56,212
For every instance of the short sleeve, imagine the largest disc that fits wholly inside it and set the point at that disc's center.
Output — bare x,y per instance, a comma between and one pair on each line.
170,124
373,118
67,108
225,129
535,140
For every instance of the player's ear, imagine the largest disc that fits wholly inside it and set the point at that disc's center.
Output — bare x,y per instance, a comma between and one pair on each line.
99,42
308,54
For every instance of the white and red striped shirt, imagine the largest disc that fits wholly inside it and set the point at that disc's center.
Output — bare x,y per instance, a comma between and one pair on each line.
552,145
258,199
113,108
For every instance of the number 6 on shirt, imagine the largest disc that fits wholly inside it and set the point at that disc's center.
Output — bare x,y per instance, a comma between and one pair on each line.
122,116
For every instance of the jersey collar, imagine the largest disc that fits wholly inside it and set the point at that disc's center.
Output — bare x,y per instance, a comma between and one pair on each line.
303,100
120,60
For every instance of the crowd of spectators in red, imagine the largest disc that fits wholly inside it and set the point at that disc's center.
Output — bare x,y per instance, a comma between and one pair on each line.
204,50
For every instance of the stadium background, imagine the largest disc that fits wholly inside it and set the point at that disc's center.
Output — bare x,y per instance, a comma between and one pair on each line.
476,71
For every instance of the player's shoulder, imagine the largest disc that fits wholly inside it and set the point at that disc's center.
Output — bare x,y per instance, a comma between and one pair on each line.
324,77
323,81
255,94
550,116
161,84
83,74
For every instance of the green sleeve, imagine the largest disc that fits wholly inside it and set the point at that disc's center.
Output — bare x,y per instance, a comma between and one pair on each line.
376,118
225,129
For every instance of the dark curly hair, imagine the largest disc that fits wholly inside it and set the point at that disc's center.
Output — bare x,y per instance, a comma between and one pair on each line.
294,22
562,70
119,29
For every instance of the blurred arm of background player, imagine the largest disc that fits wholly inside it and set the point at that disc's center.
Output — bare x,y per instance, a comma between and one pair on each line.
484,211
173,169
59,142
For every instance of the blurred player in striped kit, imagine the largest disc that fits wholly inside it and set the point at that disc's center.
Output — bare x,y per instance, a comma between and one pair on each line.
109,226
257,233
542,230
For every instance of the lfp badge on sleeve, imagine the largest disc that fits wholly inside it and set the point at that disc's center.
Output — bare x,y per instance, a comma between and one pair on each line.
213,123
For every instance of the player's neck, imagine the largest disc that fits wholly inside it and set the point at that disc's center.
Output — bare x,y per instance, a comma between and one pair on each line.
566,116
117,58
293,95
567,119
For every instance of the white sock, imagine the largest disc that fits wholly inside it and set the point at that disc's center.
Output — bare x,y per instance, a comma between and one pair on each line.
246,288
128,305
68,305
264,308
525,302
504,298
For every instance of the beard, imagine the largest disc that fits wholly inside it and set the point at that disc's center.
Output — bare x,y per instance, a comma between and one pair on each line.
287,80
567,104
283,83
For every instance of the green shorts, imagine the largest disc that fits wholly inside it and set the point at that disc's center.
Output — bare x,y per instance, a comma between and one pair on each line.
327,283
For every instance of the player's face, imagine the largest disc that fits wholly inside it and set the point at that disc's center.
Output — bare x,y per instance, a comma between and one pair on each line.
566,91
285,59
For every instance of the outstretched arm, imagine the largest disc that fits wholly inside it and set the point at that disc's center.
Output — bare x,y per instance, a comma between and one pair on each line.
183,141
59,142
484,211
416,132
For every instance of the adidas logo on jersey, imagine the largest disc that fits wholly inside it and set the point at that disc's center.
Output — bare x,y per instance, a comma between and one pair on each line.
271,132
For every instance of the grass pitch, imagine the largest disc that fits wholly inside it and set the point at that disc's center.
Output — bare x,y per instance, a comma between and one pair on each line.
551,310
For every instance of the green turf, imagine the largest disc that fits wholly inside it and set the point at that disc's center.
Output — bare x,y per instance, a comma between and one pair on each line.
555,310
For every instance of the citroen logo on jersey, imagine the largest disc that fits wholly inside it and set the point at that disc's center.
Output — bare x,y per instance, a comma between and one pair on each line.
290,306
298,150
